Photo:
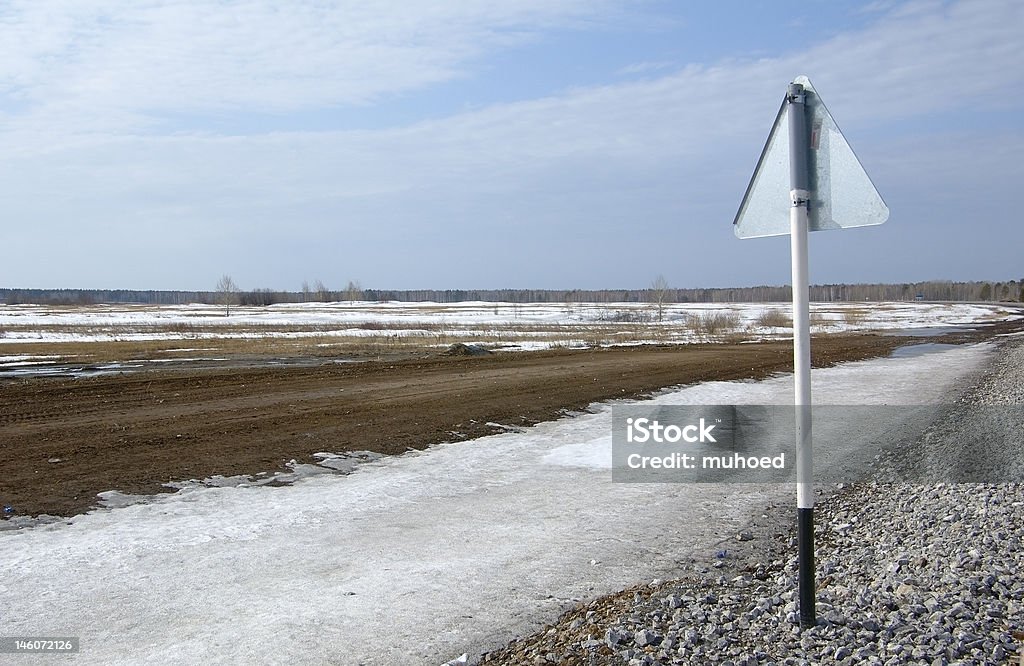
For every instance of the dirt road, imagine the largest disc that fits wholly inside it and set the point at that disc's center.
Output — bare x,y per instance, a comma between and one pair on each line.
64,440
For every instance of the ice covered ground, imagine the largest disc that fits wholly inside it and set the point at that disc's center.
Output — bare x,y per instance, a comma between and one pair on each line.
547,323
408,560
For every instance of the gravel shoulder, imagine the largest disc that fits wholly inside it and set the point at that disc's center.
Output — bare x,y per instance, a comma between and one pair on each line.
908,573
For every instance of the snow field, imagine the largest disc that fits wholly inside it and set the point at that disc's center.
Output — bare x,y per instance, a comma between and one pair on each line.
547,324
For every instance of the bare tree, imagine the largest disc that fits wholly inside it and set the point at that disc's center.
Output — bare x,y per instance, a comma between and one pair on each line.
570,301
227,293
658,295
354,291
306,291
323,294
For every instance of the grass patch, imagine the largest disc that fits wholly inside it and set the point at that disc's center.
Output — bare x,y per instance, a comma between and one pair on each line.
774,318
820,321
711,325
855,316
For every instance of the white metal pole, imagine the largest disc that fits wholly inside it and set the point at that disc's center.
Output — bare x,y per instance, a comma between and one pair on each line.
802,353
800,200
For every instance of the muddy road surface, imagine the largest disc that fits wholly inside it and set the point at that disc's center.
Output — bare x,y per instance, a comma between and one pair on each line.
64,440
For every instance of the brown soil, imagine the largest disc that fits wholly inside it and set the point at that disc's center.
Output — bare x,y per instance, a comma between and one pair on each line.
64,440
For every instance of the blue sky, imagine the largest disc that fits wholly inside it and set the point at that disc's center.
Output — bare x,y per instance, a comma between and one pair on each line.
535,144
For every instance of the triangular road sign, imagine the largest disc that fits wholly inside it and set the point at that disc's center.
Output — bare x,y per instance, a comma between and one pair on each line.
842,194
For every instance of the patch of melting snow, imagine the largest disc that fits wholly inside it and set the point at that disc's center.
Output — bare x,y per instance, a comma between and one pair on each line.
503,427
115,499
927,331
37,371
344,462
26,360
22,522
910,351
341,463
177,360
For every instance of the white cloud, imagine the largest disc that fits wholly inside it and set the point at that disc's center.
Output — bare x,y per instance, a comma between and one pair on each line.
926,57
647,67
81,62
671,153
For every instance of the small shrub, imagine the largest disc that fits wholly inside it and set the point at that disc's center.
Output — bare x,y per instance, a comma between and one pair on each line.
626,317
185,330
854,316
774,319
736,338
819,320
712,324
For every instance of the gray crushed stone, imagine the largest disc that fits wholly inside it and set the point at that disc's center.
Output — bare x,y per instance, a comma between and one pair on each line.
907,573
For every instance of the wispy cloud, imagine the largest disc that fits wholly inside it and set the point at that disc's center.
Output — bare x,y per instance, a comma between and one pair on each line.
671,152
647,67
143,58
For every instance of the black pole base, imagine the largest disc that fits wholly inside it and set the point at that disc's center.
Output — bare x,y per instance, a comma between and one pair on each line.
805,566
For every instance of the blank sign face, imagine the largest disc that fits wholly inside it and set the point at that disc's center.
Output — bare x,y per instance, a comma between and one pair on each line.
842,194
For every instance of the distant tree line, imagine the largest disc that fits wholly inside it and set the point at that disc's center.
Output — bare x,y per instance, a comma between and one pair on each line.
659,292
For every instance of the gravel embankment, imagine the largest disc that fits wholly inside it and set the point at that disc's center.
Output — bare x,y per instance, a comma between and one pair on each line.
907,573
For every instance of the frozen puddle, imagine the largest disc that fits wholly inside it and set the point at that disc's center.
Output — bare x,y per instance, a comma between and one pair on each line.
412,559
909,351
